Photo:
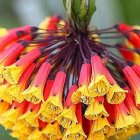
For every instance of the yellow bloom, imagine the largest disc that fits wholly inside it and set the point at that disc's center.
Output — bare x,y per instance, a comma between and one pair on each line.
22,127
126,133
8,118
29,117
37,135
12,73
95,110
75,133
6,124
45,115
33,94
67,117
54,104
3,31
112,131
123,118
131,105
4,95
99,86
96,136
18,135
52,131
82,94
86,97
4,106
100,124
76,96
115,95
15,92
44,23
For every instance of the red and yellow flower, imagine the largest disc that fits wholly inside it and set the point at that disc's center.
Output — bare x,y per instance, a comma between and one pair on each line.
59,81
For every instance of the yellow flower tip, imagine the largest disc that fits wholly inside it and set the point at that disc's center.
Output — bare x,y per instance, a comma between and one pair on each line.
112,131
29,118
86,97
21,127
75,132
67,118
12,73
3,32
96,135
100,124
126,133
54,105
95,110
4,94
10,115
52,131
33,94
7,124
44,23
4,106
76,96
18,126
15,134
116,95
99,86
124,120
44,115
35,135
15,92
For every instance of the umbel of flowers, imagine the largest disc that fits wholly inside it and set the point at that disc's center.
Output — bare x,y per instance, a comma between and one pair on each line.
60,81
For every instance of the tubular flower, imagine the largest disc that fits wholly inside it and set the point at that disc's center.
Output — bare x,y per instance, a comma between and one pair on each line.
67,117
96,135
34,93
54,101
76,131
123,117
82,94
133,79
52,131
116,94
13,72
9,56
4,94
96,109
99,84
42,113
4,106
15,90
9,117
29,115
61,81
130,103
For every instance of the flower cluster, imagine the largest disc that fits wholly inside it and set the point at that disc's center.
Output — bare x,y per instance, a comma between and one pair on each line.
57,82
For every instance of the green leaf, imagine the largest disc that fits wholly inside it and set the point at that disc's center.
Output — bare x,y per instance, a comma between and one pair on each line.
76,6
83,10
64,3
91,9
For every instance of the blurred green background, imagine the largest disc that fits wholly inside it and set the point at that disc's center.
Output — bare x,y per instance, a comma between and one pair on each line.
20,12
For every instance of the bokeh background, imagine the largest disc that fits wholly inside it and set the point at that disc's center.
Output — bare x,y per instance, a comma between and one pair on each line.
20,12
